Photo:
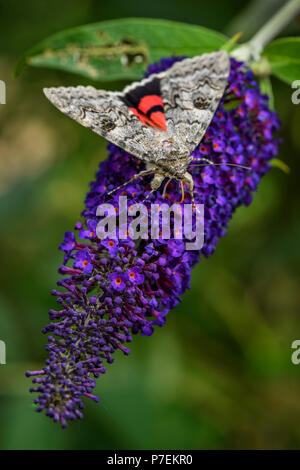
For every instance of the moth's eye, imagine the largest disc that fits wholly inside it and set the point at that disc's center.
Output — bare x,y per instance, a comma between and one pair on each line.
107,124
201,103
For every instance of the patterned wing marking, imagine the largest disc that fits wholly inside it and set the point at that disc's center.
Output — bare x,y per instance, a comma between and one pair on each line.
106,114
144,100
191,91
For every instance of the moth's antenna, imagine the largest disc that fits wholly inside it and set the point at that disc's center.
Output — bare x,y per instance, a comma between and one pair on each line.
220,164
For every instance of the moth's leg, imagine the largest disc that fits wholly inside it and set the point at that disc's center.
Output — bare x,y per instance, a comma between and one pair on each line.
136,176
155,184
157,181
190,182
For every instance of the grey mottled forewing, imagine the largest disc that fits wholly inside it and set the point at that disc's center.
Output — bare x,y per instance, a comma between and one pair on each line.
104,113
191,91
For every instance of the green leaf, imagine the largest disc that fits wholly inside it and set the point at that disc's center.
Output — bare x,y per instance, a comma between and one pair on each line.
284,58
266,88
277,163
120,49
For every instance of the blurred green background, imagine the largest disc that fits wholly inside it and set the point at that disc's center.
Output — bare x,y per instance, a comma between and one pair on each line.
219,374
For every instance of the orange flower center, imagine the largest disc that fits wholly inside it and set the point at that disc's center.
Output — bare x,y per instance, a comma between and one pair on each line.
118,280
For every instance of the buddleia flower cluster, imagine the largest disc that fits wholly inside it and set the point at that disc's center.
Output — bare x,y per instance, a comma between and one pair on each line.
113,289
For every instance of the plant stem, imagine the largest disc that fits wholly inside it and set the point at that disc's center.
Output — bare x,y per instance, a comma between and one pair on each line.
251,50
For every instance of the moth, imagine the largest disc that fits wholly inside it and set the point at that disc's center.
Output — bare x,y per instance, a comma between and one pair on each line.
160,120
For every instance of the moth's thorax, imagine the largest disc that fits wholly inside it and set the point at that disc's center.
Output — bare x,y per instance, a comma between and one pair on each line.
169,146
171,155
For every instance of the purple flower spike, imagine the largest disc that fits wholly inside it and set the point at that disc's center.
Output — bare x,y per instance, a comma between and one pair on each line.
113,289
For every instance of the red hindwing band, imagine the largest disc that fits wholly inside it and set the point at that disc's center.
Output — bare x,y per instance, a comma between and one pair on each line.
146,103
